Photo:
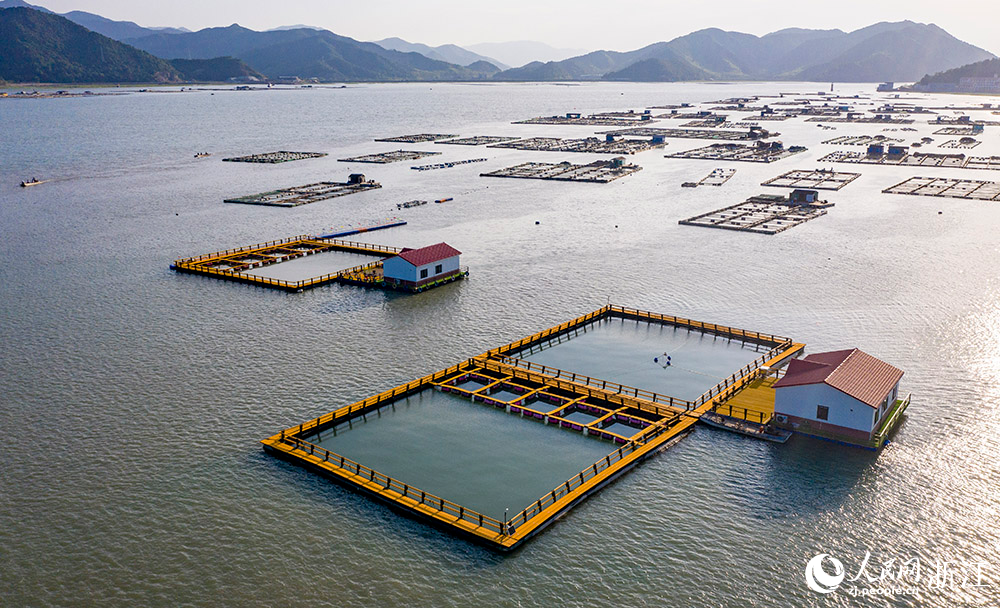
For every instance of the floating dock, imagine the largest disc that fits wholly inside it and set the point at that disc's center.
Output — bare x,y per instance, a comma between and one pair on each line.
601,172
478,140
750,134
416,139
819,179
916,159
763,214
310,193
274,157
761,152
948,188
448,165
637,423
383,158
959,131
593,145
369,227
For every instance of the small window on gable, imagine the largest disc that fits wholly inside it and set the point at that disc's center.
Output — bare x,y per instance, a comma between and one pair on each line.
822,412
438,268
423,273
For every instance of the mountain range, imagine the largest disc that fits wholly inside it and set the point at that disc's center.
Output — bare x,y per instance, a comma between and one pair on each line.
47,49
901,51
446,52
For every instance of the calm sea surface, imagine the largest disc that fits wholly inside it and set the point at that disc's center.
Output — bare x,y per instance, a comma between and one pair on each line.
132,399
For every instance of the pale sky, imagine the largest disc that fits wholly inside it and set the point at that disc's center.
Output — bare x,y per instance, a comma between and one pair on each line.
583,24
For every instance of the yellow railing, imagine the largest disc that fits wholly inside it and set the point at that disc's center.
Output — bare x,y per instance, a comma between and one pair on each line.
417,495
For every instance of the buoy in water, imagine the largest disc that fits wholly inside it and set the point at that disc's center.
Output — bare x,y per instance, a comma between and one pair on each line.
537,222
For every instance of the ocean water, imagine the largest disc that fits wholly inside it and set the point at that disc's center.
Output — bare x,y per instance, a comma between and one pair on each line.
133,398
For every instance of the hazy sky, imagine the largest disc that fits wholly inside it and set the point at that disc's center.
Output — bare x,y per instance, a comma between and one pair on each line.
584,24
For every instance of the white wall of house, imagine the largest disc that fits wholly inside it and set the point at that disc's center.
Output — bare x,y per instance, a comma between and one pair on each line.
398,268
844,410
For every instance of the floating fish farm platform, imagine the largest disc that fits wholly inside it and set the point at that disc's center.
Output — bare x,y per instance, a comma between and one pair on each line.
416,139
600,172
478,140
593,145
717,177
948,188
448,165
878,120
587,121
965,143
862,140
763,214
819,179
303,195
691,133
916,159
274,157
233,264
760,153
383,158
482,421
958,131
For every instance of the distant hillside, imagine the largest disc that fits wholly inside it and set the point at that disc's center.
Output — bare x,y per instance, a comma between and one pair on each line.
219,69
446,52
884,51
306,53
522,52
981,69
116,30
37,46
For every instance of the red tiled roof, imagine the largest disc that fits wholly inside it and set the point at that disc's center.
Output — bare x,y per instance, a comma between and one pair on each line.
852,371
429,254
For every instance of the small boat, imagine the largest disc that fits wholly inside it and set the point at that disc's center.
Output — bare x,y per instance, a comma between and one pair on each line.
202,155
33,182
444,200
408,204
689,185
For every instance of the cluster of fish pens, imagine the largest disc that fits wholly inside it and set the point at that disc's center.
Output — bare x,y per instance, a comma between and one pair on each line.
273,158
948,188
916,159
819,179
639,422
601,171
593,145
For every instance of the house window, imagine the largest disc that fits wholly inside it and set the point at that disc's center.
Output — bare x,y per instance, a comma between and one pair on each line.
423,273
822,412
438,269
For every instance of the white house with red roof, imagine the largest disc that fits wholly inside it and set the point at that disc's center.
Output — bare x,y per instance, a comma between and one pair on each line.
417,268
844,395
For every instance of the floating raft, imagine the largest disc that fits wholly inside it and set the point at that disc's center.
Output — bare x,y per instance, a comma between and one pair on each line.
761,153
448,165
965,142
717,177
916,159
588,121
819,179
958,131
274,157
478,140
763,214
303,195
862,140
691,133
416,139
880,119
388,157
592,145
498,380
600,172
372,227
948,188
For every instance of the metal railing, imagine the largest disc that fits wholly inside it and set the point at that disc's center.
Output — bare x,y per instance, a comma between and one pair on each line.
417,495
